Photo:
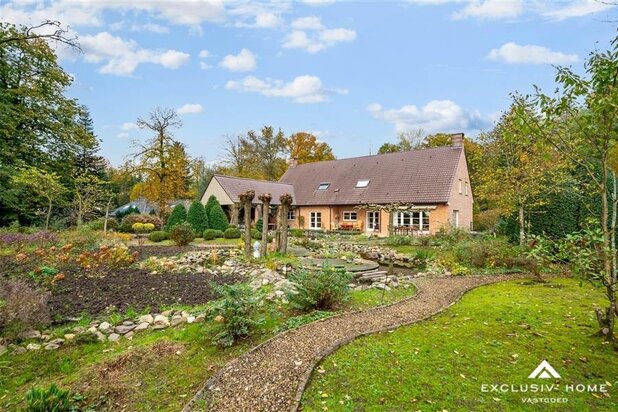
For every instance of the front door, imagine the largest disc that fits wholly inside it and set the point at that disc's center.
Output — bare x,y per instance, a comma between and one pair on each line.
315,220
373,221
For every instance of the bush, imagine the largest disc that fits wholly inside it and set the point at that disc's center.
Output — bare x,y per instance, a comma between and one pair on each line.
182,234
22,307
259,225
297,233
212,200
232,233
98,224
256,234
485,252
217,219
177,217
127,223
210,234
197,217
157,236
52,399
398,240
324,289
235,313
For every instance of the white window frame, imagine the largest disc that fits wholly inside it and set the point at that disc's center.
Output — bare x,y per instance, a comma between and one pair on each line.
315,220
323,186
373,220
456,218
415,217
349,216
466,188
362,183
460,186
292,214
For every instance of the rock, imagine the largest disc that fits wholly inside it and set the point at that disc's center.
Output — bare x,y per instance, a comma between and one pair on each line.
279,293
3,350
114,337
69,336
177,320
141,326
100,336
33,346
381,286
78,329
146,319
18,350
200,318
92,329
265,282
45,337
51,346
105,327
123,329
129,335
57,341
190,319
161,320
30,334
127,323
166,313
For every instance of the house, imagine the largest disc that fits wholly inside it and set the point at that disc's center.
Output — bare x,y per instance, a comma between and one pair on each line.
410,193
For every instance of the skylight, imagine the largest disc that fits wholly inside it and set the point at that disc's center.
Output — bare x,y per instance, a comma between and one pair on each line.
323,186
362,183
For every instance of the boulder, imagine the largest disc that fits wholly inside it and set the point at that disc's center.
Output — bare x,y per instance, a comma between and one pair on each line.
69,336
33,346
51,346
127,323
129,335
166,313
105,327
141,326
18,350
114,337
124,329
30,334
177,320
190,319
100,336
146,319
200,318
57,341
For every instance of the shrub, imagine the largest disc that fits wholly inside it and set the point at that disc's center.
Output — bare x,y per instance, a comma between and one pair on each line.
212,200
137,227
259,225
52,399
235,313
398,240
324,289
197,217
485,252
217,219
127,223
232,233
297,233
114,256
256,234
157,236
182,234
210,234
99,224
21,306
177,217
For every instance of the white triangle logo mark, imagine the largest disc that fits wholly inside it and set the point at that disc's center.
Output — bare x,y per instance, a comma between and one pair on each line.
544,371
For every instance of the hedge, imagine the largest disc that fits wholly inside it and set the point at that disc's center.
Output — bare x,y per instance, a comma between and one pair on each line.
178,216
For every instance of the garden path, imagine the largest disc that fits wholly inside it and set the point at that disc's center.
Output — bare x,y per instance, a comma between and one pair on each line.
272,376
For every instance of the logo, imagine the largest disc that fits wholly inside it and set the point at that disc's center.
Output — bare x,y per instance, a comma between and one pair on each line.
544,371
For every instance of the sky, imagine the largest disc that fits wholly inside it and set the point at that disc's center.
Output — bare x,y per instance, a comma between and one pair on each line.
354,73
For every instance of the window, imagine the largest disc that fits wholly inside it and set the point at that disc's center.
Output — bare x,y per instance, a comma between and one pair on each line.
466,189
292,214
456,218
349,216
460,186
315,220
362,183
416,220
373,220
323,186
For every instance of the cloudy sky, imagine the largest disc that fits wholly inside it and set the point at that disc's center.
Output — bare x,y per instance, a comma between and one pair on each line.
353,73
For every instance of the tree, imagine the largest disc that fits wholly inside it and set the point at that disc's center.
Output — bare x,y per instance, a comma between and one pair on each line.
580,121
162,159
212,201
518,170
52,31
305,148
87,161
40,184
197,218
286,201
216,216
177,217
89,194
265,198
246,199
407,140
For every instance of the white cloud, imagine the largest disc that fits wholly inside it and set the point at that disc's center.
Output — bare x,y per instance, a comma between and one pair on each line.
319,39
262,21
318,2
308,23
244,61
122,57
129,126
150,27
203,54
302,89
529,54
122,135
577,9
491,9
190,108
436,116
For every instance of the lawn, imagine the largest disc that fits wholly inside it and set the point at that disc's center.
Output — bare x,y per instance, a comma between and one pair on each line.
497,334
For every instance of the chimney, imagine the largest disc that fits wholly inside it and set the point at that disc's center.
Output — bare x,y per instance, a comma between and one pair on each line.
293,162
457,139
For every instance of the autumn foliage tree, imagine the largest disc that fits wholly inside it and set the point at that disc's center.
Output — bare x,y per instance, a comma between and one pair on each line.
305,148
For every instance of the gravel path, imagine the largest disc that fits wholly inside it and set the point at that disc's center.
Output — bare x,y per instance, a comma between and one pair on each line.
273,375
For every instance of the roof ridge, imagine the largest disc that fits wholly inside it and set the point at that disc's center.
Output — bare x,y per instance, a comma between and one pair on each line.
250,179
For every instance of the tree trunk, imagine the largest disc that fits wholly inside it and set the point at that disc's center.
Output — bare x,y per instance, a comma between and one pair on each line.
265,214
247,211
283,242
278,229
391,219
234,214
522,226
49,209
109,202
607,320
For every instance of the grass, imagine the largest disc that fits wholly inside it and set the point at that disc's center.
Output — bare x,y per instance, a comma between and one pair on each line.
495,334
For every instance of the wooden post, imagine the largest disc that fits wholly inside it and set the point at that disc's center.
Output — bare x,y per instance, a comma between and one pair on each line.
286,200
278,229
246,198
265,199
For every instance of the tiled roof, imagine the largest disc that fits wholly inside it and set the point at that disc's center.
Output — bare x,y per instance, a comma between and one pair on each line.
234,186
420,177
